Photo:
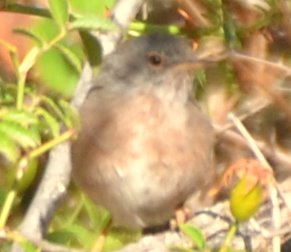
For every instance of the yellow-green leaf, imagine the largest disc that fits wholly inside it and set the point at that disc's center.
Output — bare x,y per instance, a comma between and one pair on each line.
71,118
28,175
92,48
21,117
60,11
51,106
71,57
28,246
21,135
194,234
50,121
245,201
93,23
8,148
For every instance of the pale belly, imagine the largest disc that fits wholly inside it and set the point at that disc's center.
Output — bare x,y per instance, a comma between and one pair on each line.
143,166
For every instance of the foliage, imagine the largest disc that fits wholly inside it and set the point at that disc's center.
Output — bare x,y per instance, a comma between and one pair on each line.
33,121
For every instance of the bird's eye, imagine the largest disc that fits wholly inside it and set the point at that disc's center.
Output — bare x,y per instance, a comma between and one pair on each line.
155,59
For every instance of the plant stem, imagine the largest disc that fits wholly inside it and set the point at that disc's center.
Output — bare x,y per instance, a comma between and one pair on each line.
27,64
141,27
20,91
50,144
229,237
7,207
23,69
24,9
29,10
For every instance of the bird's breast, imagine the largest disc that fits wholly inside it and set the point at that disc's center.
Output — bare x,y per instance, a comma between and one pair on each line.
144,156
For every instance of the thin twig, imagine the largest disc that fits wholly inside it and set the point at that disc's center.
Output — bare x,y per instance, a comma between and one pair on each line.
283,68
24,9
255,110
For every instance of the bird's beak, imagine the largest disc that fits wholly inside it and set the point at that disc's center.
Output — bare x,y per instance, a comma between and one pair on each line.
201,58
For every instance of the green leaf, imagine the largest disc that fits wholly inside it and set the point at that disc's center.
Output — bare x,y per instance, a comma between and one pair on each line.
51,122
21,135
32,35
91,8
119,237
245,201
51,105
92,48
22,117
194,234
28,175
61,236
70,117
56,73
46,29
84,236
63,111
29,247
72,58
35,131
98,216
60,11
8,148
93,23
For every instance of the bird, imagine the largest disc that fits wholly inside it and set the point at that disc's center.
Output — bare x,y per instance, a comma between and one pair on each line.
145,148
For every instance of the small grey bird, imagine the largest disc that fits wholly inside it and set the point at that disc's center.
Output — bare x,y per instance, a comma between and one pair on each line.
145,148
